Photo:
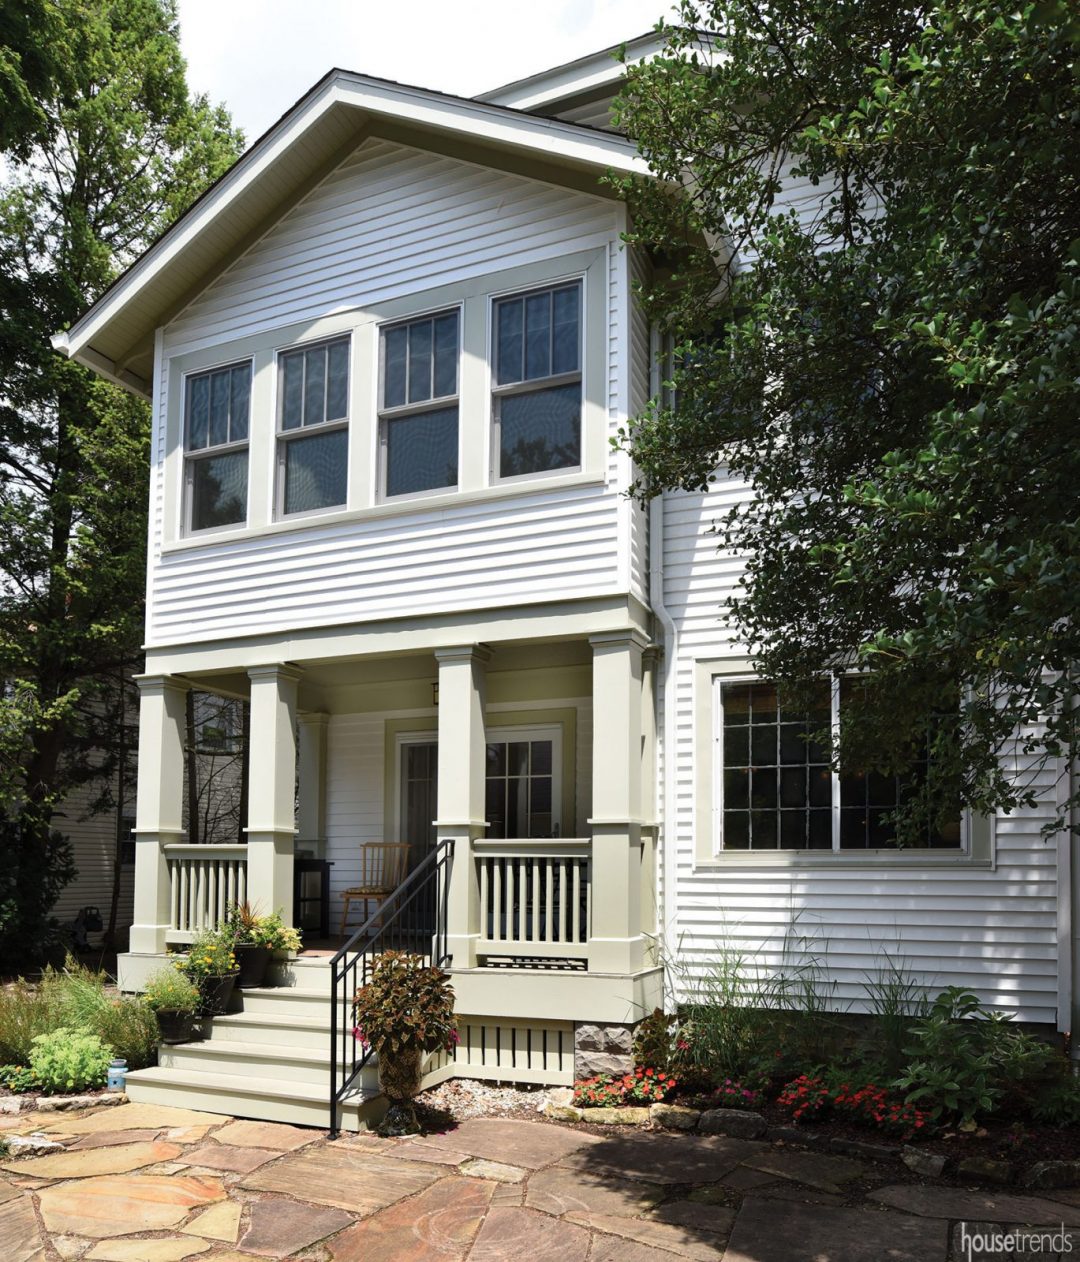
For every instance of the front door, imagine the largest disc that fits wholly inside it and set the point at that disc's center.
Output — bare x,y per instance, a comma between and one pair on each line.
419,796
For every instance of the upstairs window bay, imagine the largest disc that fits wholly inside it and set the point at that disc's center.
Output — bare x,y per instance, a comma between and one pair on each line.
313,427
217,407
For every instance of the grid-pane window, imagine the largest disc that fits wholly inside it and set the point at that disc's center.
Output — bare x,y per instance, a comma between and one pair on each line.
780,792
418,413
520,789
537,381
217,411
313,427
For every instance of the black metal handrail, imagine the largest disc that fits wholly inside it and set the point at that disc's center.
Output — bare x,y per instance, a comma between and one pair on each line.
412,918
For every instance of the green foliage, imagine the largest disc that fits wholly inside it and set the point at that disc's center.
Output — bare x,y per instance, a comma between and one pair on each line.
209,955
70,1060
896,1000
1058,1103
37,863
104,147
643,1086
19,1078
405,1004
654,1040
78,998
964,1061
168,990
894,376
247,927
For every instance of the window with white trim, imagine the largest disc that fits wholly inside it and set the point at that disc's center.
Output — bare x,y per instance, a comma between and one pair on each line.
217,408
418,405
313,427
536,382
778,790
522,784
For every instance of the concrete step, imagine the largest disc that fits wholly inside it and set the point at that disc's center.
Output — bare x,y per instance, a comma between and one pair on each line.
301,974
282,1001
265,1099
252,1062
311,1033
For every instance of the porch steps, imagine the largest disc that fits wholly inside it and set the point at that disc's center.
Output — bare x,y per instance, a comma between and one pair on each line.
268,1059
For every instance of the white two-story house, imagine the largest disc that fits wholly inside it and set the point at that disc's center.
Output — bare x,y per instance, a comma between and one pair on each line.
386,355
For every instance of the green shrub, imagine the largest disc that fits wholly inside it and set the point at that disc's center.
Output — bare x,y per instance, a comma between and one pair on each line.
406,1004
169,990
24,1013
654,1040
210,955
964,1061
19,1078
1058,1103
70,1060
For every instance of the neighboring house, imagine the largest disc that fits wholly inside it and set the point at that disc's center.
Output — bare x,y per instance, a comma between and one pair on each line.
386,354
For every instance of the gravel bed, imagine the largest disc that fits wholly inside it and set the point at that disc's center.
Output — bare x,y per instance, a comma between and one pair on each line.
464,1097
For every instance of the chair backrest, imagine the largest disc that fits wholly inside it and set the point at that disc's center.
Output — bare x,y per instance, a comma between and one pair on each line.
383,864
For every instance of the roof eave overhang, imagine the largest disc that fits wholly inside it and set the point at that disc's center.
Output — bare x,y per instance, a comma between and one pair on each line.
554,141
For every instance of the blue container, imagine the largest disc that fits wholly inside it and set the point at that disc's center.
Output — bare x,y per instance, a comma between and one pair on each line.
117,1074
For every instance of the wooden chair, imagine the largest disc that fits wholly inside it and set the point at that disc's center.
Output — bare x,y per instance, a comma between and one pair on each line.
383,865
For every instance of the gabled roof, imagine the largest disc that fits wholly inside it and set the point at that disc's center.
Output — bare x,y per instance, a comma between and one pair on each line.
115,336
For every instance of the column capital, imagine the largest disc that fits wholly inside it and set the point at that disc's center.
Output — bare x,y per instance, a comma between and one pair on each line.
630,637
158,685
313,718
275,670
463,653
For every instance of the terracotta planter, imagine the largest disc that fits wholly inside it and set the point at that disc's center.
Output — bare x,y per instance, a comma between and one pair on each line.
216,993
176,1027
399,1080
253,962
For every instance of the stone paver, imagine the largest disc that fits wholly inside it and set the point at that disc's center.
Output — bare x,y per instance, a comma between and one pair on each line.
479,1168
560,1191
717,1220
417,1150
982,1206
664,1158
19,1232
673,1239
509,1235
104,1139
172,1249
436,1226
219,1222
776,1231
118,1205
827,1174
130,1117
347,1178
266,1135
281,1228
216,1156
119,1159
8,1191
529,1144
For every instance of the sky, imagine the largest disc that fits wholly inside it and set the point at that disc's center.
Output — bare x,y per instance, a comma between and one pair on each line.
259,56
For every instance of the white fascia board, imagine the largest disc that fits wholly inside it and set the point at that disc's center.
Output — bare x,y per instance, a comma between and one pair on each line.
551,138
573,78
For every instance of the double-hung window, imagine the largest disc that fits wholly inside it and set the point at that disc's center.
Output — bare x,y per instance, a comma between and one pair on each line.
537,382
779,791
418,405
217,408
313,427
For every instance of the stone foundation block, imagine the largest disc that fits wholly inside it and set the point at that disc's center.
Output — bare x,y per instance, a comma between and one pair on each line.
602,1049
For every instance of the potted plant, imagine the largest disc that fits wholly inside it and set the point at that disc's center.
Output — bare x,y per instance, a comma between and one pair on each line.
255,939
404,1011
211,965
174,1000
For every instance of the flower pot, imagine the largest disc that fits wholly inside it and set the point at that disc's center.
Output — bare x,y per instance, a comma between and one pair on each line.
176,1027
253,962
216,993
399,1080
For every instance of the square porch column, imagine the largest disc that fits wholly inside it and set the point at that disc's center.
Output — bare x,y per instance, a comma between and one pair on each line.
159,805
462,764
615,942
311,777
271,830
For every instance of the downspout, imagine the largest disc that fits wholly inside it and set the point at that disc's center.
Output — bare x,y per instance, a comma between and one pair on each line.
669,904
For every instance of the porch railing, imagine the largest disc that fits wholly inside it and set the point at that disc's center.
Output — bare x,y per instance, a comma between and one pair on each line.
203,881
412,918
535,898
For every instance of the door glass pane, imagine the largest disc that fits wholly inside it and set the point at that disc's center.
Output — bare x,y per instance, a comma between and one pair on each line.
316,469
540,754
495,808
219,491
421,452
517,807
518,758
540,431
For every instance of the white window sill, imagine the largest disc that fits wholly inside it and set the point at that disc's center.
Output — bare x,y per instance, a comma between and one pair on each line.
425,502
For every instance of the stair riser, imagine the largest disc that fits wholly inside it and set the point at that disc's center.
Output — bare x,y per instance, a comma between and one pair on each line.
285,1003
312,1038
353,1117
200,1057
301,976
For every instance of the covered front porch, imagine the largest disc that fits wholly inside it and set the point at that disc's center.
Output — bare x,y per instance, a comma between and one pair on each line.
530,764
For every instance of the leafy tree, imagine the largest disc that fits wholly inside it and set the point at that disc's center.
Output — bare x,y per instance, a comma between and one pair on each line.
894,372
104,148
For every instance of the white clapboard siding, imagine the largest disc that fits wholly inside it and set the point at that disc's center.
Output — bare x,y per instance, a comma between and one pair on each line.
93,844
640,368
388,222
994,931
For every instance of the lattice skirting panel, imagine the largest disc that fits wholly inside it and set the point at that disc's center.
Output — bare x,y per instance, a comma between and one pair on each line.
511,1051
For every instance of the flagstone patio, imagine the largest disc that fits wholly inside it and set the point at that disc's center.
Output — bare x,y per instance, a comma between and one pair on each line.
142,1183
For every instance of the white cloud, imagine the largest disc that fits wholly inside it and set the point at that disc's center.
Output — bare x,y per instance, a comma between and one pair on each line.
259,56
